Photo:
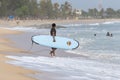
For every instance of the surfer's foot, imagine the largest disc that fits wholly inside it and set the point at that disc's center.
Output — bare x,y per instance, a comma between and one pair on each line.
51,53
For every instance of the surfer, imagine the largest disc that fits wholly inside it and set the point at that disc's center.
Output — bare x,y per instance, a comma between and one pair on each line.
53,33
111,35
108,34
94,34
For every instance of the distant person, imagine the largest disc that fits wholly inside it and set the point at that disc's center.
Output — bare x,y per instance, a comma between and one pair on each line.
111,35
94,34
53,33
108,34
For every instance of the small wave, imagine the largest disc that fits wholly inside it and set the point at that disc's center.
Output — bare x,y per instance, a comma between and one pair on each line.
70,68
90,24
84,41
94,24
112,22
20,28
107,56
75,25
70,25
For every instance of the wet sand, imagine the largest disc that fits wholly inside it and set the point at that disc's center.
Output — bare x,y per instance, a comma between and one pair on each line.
19,43
7,71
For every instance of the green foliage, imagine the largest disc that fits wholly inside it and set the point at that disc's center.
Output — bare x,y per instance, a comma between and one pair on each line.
66,9
45,9
56,10
22,11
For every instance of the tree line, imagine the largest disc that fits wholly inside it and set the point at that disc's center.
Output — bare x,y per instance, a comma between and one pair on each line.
102,13
45,9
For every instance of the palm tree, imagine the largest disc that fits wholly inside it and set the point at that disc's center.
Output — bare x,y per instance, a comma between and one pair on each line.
56,10
66,9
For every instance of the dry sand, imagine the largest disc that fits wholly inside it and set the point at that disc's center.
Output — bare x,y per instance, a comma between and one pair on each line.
7,71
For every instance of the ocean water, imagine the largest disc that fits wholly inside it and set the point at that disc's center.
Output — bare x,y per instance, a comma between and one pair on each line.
100,54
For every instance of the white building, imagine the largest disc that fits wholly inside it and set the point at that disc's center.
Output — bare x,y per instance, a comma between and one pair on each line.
78,12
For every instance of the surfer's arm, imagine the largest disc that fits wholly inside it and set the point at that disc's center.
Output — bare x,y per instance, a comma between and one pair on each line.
53,34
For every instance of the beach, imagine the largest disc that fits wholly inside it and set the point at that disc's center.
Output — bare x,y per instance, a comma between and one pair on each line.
12,43
7,71
22,60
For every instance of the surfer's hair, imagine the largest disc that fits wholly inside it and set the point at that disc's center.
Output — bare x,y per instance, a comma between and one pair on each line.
53,25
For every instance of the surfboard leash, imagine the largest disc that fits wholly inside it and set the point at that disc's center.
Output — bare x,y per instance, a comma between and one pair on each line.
28,51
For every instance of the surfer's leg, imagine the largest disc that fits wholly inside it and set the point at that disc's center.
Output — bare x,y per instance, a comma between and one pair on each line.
51,53
54,39
54,51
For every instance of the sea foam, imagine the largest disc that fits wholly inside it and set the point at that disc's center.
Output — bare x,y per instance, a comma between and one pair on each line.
71,68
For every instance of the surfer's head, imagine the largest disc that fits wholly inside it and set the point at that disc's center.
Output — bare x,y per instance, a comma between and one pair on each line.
53,25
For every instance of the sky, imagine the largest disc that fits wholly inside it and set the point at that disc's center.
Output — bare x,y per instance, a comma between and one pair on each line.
86,4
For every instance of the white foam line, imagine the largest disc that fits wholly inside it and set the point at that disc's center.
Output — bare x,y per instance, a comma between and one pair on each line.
77,68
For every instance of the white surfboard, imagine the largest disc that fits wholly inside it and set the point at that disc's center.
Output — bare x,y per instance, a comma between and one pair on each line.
60,42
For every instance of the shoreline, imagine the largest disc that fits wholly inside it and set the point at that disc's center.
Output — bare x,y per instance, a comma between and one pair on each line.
9,71
12,72
12,43
27,23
